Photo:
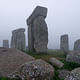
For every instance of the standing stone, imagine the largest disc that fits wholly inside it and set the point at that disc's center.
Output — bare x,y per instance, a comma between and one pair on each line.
37,30
18,39
64,44
5,43
77,45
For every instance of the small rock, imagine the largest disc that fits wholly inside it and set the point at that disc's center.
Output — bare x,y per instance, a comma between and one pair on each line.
56,62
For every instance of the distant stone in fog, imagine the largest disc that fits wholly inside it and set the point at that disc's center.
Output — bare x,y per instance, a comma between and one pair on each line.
37,30
77,45
18,39
64,43
5,43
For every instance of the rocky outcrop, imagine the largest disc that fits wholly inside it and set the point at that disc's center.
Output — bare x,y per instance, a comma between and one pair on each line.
11,59
18,39
34,70
77,45
73,56
74,75
5,43
64,43
37,30
56,62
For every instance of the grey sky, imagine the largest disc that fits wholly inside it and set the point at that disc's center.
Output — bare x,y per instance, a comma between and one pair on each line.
63,18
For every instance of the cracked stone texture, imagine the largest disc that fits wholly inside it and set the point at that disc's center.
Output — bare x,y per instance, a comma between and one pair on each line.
74,75
34,70
11,59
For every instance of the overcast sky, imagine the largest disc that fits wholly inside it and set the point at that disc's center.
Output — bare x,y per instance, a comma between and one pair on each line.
63,18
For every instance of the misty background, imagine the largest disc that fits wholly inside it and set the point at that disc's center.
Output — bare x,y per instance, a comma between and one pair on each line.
63,18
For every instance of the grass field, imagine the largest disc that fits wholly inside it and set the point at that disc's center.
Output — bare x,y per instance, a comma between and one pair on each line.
46,56
53,53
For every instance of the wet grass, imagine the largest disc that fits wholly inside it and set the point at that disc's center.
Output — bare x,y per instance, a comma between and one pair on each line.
60,56
53,53
46,56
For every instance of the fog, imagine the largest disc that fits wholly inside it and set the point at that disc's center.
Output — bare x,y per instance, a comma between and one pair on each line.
63,18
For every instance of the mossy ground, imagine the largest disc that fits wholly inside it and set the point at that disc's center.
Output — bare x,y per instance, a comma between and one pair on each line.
53,53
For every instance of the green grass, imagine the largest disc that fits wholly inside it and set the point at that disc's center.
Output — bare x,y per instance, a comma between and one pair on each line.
59,55
53,53
46,56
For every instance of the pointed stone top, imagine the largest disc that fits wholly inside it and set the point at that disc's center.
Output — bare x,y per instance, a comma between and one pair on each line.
38,11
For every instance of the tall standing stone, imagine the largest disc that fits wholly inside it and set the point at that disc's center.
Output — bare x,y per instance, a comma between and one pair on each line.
18,39
64,43
5,43
37,30
77,45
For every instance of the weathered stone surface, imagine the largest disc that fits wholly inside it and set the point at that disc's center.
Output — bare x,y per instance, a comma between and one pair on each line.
39,11
34,70
37,30
18,39
5,43
73,56
64,43
30,38
11,59
74,75
40,34
56,62
63,73
77,45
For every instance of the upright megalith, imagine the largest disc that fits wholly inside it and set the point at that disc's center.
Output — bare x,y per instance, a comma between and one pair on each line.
64,43
37,30
18,39
6,43
77,45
